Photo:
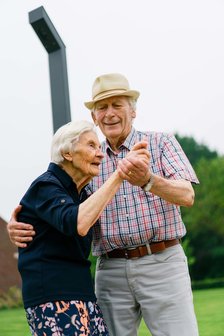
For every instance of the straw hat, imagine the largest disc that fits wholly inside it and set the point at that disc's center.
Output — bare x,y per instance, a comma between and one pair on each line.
110,85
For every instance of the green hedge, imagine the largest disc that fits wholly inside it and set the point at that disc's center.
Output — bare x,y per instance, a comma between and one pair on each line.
208,283
11,299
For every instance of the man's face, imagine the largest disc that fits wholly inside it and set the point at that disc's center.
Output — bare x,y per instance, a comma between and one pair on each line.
114,117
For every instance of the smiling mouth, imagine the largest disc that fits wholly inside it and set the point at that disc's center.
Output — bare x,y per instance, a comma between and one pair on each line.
111,124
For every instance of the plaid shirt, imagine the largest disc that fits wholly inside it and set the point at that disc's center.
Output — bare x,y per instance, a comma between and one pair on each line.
134,217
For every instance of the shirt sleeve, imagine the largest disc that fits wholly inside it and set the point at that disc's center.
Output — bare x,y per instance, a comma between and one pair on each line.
53,205
174,161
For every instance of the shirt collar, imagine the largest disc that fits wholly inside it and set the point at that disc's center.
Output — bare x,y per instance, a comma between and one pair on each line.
65,179
128,143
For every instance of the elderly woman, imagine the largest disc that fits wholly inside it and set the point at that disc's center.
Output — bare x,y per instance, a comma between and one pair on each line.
57,287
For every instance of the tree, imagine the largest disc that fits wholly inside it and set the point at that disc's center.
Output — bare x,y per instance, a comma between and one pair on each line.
205,220
194,150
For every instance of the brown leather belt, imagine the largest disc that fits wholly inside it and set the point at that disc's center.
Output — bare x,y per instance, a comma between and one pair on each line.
141,251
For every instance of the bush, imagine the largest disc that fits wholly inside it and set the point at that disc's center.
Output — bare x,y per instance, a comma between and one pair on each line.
208,283
11,299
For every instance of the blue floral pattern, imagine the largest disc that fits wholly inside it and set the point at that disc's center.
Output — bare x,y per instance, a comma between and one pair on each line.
66,318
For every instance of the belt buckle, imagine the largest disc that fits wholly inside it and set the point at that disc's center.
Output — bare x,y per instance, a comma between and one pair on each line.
130,249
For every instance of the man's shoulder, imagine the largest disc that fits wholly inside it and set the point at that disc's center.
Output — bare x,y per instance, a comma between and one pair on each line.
154,135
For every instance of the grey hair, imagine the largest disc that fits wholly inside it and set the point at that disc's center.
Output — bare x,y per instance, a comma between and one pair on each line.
66,136
132,102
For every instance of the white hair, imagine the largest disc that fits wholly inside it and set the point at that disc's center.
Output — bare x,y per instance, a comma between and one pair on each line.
66,136
133,103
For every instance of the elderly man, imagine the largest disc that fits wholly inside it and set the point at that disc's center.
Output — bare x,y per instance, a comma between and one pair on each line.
142,270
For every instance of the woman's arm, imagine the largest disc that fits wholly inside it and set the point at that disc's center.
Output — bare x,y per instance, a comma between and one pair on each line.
91,209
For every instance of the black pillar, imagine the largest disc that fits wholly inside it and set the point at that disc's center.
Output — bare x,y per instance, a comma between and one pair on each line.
55,47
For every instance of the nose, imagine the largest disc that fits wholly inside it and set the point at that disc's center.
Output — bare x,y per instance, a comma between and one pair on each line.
99,153
109,111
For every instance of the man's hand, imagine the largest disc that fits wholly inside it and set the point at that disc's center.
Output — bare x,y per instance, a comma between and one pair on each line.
135,166
19,233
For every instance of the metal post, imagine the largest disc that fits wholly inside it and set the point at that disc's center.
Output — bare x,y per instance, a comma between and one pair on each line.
55,47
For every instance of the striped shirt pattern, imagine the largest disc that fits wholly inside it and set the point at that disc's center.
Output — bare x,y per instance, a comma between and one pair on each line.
134,217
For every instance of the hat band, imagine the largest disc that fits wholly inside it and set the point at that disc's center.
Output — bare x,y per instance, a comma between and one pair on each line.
107,92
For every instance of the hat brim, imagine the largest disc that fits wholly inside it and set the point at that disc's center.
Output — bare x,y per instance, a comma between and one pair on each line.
130,93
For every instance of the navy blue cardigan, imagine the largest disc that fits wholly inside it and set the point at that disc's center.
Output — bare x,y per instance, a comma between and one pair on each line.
55,264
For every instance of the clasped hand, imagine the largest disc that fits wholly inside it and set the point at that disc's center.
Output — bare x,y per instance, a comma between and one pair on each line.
135,166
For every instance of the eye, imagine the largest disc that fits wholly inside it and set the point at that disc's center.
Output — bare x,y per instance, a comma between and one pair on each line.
101,107
117,106
92,145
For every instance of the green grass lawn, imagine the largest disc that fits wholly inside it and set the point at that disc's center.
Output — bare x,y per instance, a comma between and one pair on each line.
13,323
209,307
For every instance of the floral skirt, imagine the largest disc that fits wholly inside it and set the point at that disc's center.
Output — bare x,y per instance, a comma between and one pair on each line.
66,318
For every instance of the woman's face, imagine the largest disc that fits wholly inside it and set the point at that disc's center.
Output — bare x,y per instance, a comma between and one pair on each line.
87,154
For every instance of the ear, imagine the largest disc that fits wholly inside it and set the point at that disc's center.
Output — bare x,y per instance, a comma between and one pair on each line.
133,114
67,156
94,118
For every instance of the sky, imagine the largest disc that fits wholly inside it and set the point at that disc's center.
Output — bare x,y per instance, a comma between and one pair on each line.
172,51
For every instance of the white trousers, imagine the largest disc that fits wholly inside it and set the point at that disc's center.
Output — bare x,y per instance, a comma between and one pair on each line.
156,288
